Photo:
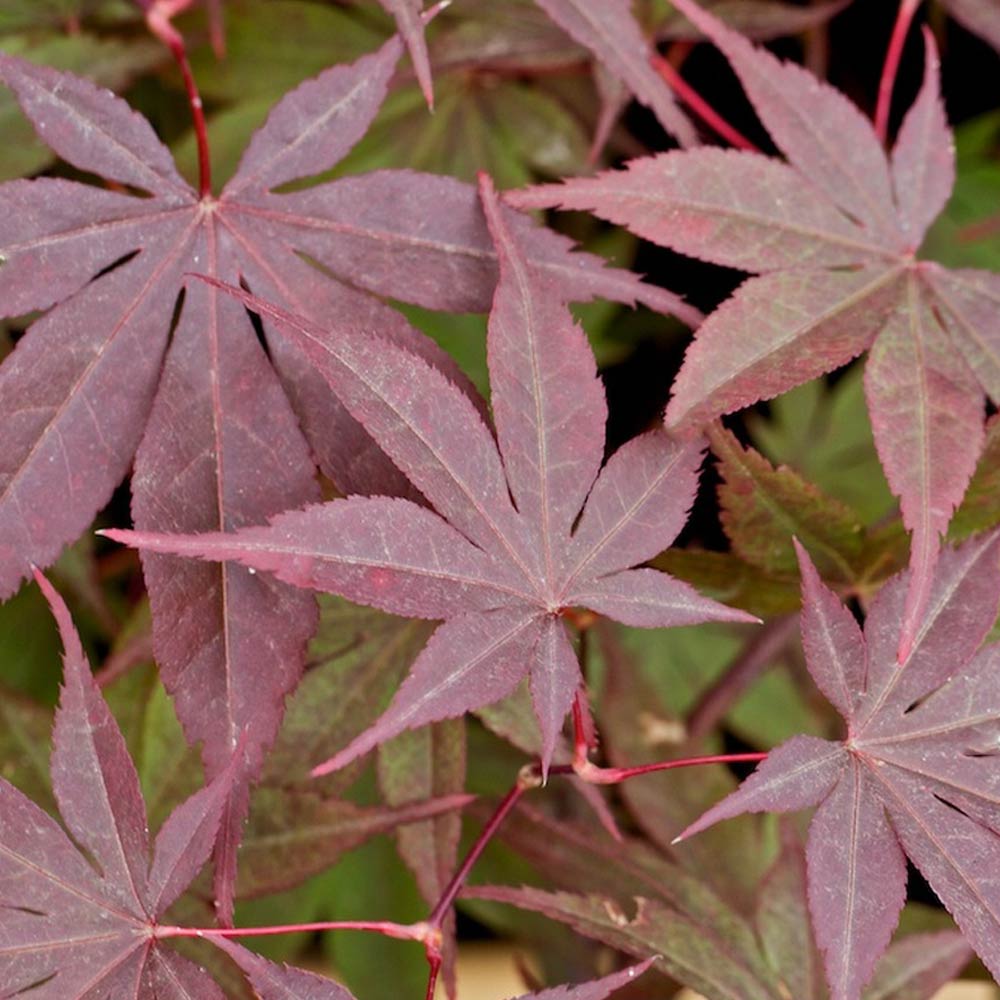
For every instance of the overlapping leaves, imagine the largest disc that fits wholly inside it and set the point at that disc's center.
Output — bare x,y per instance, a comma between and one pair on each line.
832,235
917,774
508,550
84,918
230,648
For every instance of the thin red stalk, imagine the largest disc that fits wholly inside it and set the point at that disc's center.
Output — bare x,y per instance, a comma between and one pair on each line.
907,8
404,932
158,19
700,106
436,919
613,775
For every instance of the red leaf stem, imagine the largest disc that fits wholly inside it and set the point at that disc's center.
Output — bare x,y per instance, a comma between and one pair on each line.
897,40
158,19
613,775
403,932
700,106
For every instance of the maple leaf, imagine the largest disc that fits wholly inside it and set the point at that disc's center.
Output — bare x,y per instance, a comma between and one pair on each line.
502,557
193,414
72,927
832,235
916,774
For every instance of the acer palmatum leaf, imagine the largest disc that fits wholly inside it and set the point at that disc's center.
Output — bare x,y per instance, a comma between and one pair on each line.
499,558
610,31
229,647
73,926
832,235
916,775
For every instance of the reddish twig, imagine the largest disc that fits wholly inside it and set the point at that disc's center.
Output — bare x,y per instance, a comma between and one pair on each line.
907,8
700,106
158,18
615,775
403,932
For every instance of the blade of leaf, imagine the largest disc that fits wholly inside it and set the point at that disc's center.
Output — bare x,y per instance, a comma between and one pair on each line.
637,506
648,598
470,661
970,300
798,774
923,159
548,401
555,678
979,16
609,30
927,420
777,331
952,852
232,653
728,207
833,642
411,29
764,507
280,982
93,777
76,112
293,833
63,395
315,125
857,882
375,232
822,133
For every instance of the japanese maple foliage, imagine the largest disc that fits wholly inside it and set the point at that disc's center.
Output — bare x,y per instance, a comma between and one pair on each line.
87,924
503,558
916,775
230,648
246,355
833,235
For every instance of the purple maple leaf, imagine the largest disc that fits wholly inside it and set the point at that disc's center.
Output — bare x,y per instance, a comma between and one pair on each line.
72,928
832,235
506,550
917,774
213,423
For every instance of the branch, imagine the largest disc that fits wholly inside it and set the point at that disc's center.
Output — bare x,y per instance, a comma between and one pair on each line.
907,8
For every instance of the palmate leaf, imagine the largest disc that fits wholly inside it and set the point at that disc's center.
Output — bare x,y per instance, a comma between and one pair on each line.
831,235
229,648
917,774
507,550
83,917
67,930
